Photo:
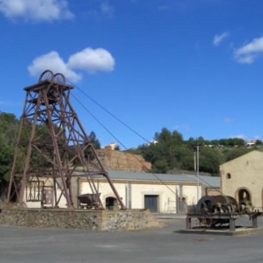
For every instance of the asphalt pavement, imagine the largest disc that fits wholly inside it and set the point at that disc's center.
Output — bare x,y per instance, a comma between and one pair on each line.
164,245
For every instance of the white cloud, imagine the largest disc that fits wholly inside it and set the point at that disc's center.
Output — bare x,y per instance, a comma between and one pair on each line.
7,103
107,9
104,10
89,60
249,52
183,127
256,137
244,137
36,10
53,62
228,120
239,136
92,60
219,38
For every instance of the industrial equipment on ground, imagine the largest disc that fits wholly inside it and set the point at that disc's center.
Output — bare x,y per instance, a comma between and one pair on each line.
221,210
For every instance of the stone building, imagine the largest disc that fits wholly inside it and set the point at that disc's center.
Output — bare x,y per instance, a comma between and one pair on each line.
242,178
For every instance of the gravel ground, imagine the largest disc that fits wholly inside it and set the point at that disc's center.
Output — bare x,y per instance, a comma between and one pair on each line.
31,245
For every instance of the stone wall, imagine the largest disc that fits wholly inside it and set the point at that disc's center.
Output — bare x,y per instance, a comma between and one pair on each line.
103,220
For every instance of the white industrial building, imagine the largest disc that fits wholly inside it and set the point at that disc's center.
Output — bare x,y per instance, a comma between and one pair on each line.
160,193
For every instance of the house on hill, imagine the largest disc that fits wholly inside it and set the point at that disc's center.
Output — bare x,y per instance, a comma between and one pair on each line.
242,178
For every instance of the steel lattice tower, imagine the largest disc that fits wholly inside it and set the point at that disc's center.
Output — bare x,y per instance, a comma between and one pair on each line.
52,143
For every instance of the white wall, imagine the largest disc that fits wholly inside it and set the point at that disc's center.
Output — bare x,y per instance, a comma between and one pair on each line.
166,195
37,204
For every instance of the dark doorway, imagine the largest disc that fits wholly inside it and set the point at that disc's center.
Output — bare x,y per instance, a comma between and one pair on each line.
244,199
111,203
151,203
243,195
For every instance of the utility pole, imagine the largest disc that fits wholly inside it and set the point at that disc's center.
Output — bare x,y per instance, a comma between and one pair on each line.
197,171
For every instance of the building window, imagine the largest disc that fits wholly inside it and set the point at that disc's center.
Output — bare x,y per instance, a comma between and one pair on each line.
228,176
34,190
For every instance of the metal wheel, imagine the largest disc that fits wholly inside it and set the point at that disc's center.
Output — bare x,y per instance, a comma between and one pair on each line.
60,78
47,75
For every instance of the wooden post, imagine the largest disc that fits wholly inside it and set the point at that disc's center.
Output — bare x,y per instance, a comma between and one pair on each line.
254,221
232,226
188,222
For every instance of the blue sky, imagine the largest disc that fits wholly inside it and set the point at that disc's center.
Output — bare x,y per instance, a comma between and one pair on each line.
194,66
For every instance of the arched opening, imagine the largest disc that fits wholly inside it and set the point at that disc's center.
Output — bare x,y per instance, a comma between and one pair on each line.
181,203
244,199
111,203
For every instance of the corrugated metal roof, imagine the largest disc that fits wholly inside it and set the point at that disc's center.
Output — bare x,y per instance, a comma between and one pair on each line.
189,178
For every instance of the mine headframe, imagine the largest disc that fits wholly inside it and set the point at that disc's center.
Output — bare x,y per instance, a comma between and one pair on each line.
53,145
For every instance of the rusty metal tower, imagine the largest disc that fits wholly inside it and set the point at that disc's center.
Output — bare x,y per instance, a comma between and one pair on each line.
53,145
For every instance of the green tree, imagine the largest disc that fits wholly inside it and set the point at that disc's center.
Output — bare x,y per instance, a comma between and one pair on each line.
8,132
160,166
94,140
210,159
6,158
169,153
258,143
236,152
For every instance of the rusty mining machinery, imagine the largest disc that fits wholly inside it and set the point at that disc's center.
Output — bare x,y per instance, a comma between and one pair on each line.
53,145
217,211
213,209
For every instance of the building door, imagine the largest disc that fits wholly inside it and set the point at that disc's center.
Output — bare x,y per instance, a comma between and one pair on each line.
111,203
151,203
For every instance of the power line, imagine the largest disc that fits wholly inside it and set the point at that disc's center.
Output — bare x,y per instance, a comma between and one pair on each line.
111,114
128,127
93,116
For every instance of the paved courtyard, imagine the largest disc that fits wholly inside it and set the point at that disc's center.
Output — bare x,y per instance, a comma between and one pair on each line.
31,245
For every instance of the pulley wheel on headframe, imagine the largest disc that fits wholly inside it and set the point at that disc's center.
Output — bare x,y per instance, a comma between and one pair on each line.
59,78
47,75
